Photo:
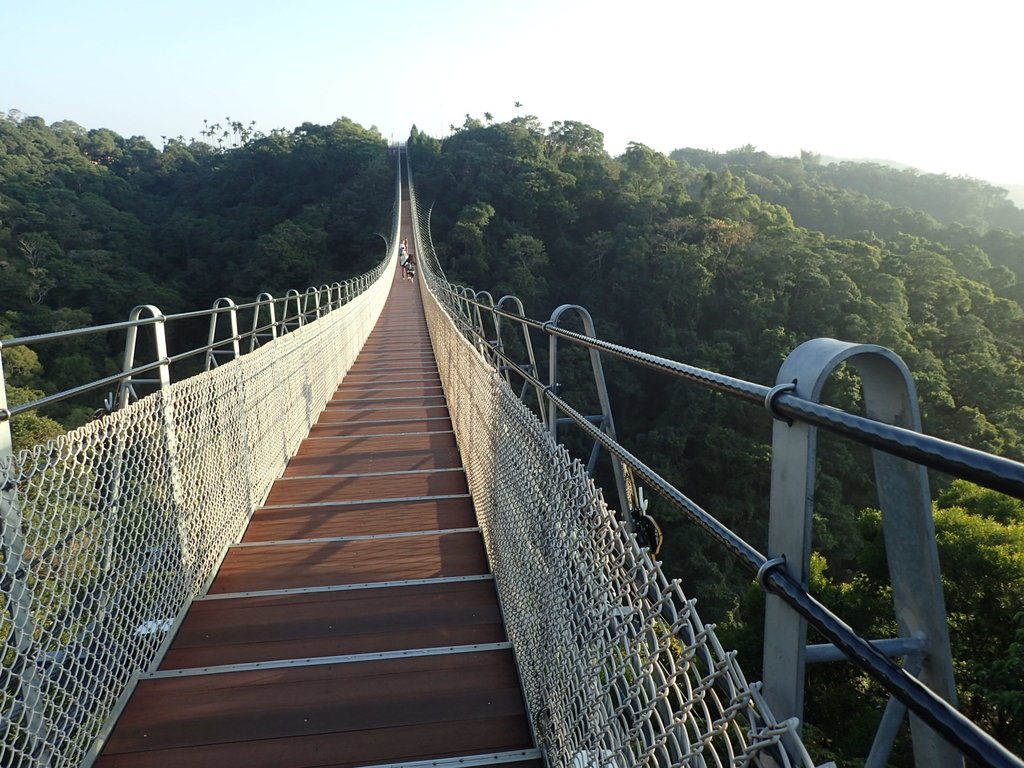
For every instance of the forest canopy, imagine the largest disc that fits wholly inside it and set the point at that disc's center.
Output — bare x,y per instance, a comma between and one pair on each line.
726,261
92,224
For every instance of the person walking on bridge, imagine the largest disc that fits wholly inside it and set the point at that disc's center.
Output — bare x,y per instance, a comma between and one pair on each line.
410,265
403,258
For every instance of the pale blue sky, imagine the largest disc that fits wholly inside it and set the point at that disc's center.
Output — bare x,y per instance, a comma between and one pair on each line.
932,84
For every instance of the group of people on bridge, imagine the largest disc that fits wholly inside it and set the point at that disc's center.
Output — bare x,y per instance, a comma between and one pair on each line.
407,260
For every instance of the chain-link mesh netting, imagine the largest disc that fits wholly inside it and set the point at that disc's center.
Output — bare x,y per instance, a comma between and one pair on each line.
616,666
109,531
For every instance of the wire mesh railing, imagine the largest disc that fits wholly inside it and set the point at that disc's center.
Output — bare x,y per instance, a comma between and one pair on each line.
617,667
109,531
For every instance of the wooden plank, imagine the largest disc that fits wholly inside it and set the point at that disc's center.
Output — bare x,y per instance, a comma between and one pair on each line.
280,703
386,398
265,628
282,617
362,458
345,750
434,409
391,398
366,395
397,346
359,519
378,378
382,427
383,370
391,362
304,490
364,369
422,364
314,564
386,402
380,444
372,454
382,347
391,351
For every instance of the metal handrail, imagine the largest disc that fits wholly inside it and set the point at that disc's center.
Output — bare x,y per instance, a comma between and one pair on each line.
995,472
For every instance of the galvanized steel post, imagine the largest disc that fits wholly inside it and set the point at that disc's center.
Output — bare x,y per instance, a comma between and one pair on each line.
608,425
270,329
6,442
890,397
212,342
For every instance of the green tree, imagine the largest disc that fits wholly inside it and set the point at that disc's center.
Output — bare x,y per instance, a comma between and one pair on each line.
982,561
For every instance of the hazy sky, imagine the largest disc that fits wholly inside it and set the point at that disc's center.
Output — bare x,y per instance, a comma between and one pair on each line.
936,85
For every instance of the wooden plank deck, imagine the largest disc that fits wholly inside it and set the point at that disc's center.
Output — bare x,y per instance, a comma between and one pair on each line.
356,623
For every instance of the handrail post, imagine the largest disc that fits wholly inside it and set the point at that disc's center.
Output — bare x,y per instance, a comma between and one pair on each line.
608,424
292,296
528,343
212,353
263,300
126,387
6,442
312,296
911,550
487,347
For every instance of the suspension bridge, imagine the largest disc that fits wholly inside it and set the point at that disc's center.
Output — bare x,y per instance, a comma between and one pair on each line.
353,540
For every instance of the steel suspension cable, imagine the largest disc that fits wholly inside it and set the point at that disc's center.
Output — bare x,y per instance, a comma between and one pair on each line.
995,472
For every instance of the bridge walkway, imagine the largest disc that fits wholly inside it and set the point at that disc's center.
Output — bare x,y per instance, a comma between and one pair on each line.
356,623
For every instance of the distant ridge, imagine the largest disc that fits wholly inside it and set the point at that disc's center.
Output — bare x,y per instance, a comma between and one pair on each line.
830,159
1015,192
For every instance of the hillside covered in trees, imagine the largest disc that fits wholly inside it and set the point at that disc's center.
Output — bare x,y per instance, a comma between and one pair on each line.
92,224
726,261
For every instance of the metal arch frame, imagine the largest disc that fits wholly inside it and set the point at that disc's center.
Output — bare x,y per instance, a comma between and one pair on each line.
465,297
126,389
531,357
890,397
311,296
607,423
223,305
6,442
326,303
291,322
474,319
489,347
270,329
